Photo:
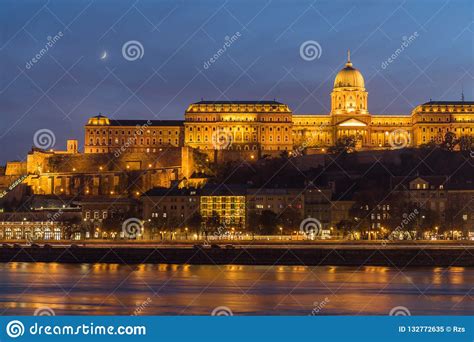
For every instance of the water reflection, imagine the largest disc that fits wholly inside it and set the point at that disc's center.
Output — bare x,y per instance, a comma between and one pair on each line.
106,289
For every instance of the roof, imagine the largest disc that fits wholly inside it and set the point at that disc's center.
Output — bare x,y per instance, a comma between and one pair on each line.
100,120
147,122
224,190
240,102
238,107
457,103
175,191
402,181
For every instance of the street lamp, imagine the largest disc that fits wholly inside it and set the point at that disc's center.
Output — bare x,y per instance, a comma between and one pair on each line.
281,233
186,230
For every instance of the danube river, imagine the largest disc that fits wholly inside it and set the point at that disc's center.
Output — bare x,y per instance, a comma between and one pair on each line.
110,289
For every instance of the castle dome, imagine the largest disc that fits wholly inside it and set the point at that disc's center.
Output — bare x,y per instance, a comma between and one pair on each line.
349,76
98,120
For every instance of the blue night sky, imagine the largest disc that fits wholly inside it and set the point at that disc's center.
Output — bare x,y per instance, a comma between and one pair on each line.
71,82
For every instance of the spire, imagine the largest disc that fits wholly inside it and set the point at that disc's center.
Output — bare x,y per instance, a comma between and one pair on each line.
348,63
462,93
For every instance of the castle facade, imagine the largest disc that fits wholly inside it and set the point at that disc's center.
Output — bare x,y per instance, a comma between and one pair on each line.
254,128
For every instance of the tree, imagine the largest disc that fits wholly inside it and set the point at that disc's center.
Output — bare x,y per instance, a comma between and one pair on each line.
202,163
449,141
268,222
466,143
74,225
213,223
194,222
426,220
344,144
253,222
348,229
290,218
454,216
284,154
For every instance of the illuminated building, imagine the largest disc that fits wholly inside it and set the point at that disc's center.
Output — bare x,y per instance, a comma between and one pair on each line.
163,149
103,135
224,204
251,129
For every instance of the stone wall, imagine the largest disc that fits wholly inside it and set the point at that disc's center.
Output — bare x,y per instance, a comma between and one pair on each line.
105,174
16,168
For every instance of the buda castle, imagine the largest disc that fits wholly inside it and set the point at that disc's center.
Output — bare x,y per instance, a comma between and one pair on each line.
130,157
250,129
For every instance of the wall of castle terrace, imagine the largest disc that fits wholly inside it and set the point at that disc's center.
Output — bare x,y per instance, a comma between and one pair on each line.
39,162
102,174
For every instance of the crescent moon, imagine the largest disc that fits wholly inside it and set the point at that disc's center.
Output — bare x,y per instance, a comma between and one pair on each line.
104,55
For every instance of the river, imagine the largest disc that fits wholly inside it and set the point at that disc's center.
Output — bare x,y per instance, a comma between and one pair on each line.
112,289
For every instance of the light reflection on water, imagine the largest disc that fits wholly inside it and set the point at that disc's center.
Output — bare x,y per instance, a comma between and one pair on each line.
111,289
